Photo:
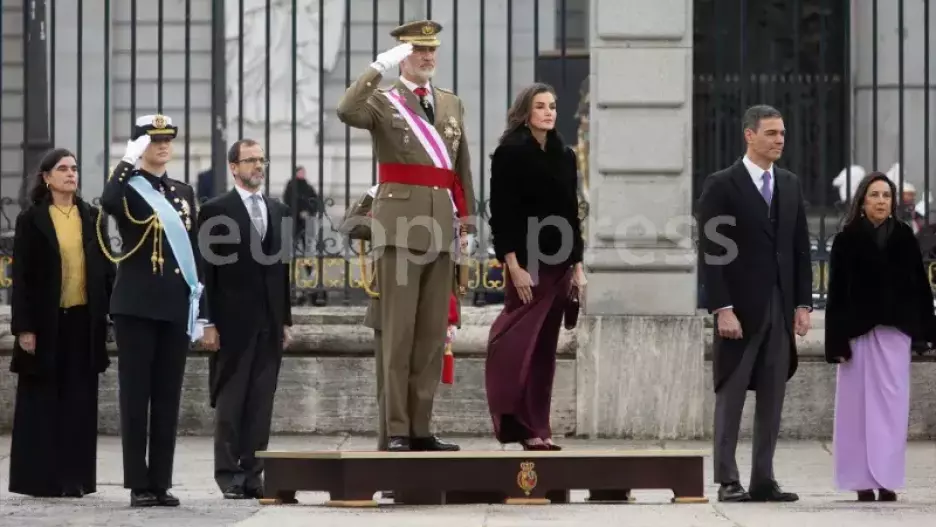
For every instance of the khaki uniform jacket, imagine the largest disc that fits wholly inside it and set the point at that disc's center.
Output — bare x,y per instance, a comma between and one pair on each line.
396,205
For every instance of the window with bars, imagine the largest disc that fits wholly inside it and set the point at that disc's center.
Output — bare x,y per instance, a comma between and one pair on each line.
574,14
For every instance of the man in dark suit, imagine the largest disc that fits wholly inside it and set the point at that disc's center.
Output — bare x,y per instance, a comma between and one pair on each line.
246,269
155,304
758,283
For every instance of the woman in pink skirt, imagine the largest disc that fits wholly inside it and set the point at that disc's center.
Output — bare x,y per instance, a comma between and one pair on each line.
879,302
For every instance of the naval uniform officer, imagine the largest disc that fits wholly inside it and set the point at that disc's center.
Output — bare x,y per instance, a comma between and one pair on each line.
155,304
422,154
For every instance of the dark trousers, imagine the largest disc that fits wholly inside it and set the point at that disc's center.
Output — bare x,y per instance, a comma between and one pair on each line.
766,359
151,366
244,408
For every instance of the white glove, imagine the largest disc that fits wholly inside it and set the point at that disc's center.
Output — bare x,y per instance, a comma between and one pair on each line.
392,57
135,148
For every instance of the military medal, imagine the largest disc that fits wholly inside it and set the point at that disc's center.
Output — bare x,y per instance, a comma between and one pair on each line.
186,213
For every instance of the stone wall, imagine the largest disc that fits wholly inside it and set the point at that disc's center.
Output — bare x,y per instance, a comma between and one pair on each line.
326,385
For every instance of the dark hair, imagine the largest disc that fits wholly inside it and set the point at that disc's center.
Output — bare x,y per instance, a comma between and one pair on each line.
755,114
519,113
857,204
40,192
234,152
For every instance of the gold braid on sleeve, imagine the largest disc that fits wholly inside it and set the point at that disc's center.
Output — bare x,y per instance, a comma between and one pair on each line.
151,222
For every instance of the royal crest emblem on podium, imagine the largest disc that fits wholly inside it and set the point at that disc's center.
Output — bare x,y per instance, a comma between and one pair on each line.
526,478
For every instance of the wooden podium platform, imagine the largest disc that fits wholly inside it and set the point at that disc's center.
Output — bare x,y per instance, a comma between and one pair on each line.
352,478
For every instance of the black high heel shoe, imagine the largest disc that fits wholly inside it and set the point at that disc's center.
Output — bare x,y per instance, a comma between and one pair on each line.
886,495
527,446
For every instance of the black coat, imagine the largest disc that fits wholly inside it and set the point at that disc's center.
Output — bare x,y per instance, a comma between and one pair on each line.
241,291
37,288
530,182
871,285
767,252
138,291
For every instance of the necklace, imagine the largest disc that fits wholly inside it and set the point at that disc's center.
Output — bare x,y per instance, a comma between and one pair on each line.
67,213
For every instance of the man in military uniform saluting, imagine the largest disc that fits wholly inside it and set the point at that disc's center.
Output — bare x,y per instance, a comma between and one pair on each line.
422,156
155,304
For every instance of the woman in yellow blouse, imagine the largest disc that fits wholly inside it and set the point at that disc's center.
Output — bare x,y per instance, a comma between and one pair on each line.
61,289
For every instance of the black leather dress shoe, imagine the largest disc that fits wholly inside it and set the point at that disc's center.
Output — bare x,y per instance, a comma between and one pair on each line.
433,444
143,498
732,492
166,499
865,495
771,492
254,493
398,444
234,492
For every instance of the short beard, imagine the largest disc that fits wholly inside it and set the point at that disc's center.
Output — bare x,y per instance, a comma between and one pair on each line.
422,75
248,182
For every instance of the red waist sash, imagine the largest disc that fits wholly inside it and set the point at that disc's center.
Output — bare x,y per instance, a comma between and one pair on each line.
426,176
423,175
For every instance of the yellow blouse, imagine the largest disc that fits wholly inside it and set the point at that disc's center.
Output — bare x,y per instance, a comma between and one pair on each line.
68,232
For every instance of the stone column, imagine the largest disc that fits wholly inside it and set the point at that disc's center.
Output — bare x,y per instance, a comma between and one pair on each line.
640,359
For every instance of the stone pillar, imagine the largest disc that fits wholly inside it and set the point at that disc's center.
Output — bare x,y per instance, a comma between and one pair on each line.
640,360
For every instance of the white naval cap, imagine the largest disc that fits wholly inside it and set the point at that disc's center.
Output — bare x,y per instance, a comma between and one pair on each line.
156,126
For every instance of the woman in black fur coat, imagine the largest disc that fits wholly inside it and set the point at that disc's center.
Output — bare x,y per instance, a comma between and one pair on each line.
879,301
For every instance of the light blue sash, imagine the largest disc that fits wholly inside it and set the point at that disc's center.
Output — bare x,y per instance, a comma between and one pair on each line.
180,244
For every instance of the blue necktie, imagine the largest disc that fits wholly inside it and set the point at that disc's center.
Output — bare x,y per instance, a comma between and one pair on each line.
765,190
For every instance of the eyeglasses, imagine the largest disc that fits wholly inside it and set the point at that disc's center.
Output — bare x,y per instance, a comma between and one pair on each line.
255,160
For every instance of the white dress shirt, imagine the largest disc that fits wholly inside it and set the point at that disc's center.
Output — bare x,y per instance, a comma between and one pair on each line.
757,175
412,86
248,203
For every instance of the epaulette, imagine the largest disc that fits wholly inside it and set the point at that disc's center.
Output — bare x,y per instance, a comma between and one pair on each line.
444,90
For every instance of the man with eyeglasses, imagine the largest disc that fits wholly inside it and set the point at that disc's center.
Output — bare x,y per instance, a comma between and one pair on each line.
245,247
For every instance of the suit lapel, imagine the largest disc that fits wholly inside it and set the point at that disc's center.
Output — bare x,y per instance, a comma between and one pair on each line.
273,232
750,195
786,211
411,100
239,212
44,223
88,227
437,107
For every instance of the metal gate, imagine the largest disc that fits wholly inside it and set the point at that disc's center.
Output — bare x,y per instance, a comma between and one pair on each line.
77,74
852,78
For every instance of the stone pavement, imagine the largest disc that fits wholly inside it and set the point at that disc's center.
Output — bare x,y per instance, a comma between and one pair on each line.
804,467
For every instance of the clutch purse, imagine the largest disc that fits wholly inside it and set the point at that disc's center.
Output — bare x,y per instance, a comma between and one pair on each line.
571,313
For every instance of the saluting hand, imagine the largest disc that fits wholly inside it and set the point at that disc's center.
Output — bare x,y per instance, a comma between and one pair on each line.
393,56
135,148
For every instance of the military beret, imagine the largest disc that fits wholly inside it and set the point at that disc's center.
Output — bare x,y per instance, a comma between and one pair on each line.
156,126
423,33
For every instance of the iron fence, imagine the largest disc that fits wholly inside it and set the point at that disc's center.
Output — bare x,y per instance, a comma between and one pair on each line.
78,74
851,77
